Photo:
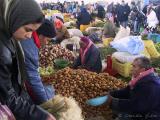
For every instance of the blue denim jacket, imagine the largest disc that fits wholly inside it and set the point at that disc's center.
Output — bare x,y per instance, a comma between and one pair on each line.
40,93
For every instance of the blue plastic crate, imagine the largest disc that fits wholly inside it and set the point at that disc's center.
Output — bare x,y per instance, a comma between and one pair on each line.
155,37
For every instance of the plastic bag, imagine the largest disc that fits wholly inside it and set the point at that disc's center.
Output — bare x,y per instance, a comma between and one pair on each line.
75,32
152,19
132,44
125,57
71,41
122,33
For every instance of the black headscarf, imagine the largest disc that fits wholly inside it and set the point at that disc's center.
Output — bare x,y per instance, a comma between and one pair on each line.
13,15
21,12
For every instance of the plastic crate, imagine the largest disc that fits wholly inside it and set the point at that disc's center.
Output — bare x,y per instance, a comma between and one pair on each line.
149,45
145,52
155,37
83,27
123,69
106,41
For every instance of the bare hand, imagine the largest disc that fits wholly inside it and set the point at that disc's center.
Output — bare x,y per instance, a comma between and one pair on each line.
50,117
109,101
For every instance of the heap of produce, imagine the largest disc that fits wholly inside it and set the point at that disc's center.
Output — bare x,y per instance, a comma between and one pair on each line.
68,17
46,71
51,52
156,64
106,51
83,85
85,33
156,61
98,23
144,37
158,47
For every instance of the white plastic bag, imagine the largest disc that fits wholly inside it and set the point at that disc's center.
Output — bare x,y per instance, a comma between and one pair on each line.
125,57
131,44
75,32
73,40
123,32
152,19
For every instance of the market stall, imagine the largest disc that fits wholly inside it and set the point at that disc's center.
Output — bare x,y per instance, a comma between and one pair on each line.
117,53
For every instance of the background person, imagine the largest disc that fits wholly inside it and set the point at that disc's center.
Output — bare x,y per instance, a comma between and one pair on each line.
122,13
61,31
89,57
109,29
83,18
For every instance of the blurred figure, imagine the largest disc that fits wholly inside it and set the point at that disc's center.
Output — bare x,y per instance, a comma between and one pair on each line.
133,5
122,12
145,9
109,29
82,4
89,57
137,20
84,18
101,12
61,31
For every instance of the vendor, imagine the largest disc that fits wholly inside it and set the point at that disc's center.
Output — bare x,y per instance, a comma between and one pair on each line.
101,12
39,93
109,29
61,31
83,18
89,57
140,100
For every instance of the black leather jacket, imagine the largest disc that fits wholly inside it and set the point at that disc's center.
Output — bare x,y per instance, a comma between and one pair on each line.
13,15
11,92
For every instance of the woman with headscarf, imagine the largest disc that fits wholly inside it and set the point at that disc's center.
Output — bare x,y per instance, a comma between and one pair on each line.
84,18
89,57
18,18
61,31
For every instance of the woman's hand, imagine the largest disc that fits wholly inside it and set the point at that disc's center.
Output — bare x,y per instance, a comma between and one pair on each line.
51,117
109,101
